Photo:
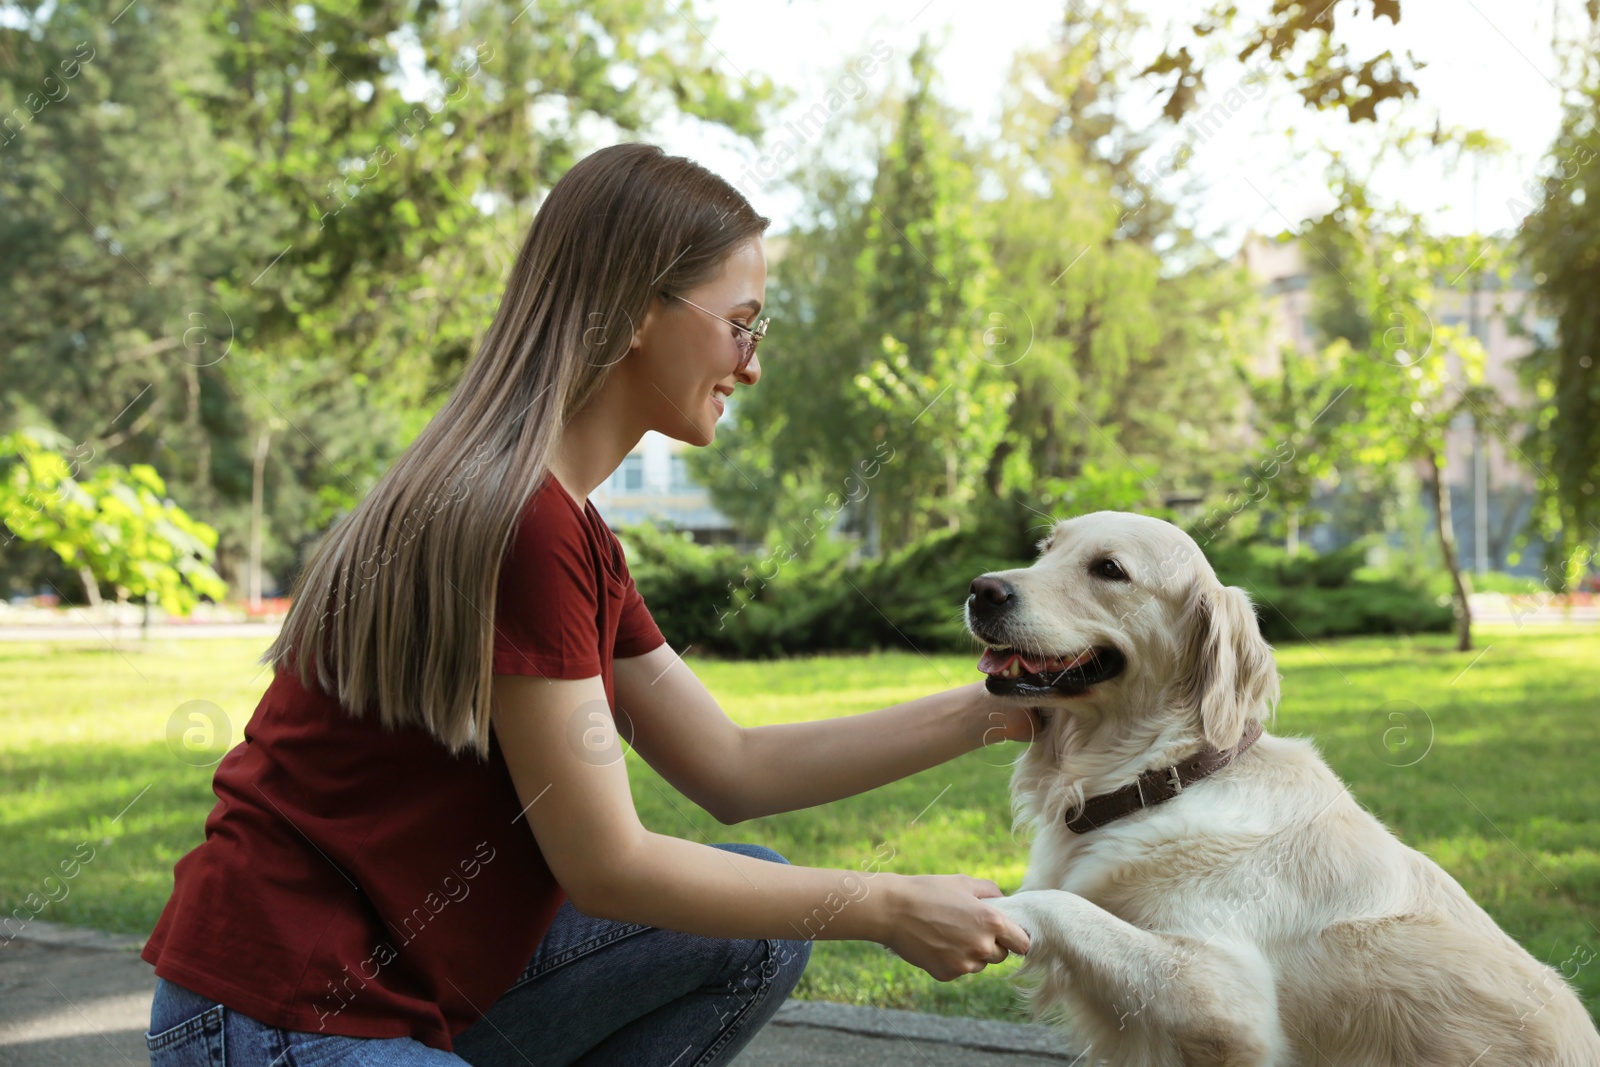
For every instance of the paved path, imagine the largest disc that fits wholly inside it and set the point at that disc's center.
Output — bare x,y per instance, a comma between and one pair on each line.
1536,609
83,631
75,998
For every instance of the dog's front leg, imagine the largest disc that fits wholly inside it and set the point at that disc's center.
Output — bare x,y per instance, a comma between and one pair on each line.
1154,998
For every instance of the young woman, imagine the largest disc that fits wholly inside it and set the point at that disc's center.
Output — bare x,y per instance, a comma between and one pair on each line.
425,850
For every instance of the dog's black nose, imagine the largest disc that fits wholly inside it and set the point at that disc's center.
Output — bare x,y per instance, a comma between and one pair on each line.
989,596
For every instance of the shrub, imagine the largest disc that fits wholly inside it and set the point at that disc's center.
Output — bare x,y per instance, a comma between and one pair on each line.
1305,595
785,603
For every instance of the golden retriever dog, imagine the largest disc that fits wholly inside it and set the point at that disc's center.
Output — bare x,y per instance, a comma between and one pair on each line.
1200,891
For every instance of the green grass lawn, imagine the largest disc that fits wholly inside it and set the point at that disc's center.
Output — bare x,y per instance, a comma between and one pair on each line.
1505,798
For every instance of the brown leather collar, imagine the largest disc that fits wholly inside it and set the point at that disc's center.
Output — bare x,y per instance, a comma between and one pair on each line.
1157,785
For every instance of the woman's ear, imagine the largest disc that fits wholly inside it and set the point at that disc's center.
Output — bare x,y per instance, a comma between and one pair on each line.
1226,672
642,327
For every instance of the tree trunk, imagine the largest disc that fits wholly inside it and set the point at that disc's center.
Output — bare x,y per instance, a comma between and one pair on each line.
997,460
952,486
202,473
1447,546
91,588
257,495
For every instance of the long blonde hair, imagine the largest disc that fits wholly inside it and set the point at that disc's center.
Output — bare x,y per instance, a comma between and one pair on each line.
396,603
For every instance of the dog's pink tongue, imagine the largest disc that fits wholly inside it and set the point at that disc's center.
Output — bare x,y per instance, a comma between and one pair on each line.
992,662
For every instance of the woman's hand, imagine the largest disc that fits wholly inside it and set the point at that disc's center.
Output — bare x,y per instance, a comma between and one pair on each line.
995,719
940,923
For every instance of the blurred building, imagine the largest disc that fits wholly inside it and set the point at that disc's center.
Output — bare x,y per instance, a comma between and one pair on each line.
653,485
1491,482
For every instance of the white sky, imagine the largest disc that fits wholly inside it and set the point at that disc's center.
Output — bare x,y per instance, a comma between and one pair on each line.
1490,66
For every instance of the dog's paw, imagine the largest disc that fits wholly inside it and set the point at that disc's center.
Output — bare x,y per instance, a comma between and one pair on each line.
1021,909
1042,912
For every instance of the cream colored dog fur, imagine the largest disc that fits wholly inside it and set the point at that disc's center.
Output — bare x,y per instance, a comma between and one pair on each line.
1262,916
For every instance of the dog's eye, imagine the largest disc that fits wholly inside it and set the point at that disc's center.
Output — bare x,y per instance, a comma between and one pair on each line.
1109,570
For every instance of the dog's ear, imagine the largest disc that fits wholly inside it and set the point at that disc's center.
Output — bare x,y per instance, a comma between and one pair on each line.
1226,673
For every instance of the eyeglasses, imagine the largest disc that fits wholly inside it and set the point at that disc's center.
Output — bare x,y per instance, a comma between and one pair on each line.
747,338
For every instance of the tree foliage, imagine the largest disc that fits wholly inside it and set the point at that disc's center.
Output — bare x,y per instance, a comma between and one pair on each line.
117,526
1135,329
1022,319
1561,241
932,391
229,222
1301,40
1410,376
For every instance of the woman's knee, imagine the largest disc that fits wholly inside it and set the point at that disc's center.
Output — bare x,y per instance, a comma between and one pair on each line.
760,852
792,956
783,959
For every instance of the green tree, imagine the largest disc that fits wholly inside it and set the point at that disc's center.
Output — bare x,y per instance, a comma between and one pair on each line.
1128,393
1067,285
786,447
936,397
1294,408
1560,245
112,197
1301,40
1409,377
874,360
116,526
247,214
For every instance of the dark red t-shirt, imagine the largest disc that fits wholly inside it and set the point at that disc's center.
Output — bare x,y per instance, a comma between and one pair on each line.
363,882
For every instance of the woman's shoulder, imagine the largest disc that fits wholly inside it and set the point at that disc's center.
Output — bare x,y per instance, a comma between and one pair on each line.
553,534
551,511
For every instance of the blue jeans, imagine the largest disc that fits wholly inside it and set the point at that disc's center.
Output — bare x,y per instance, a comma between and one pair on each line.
596,992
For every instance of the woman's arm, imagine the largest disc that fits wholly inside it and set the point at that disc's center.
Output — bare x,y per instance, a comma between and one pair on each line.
740,773
797,765
573,782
